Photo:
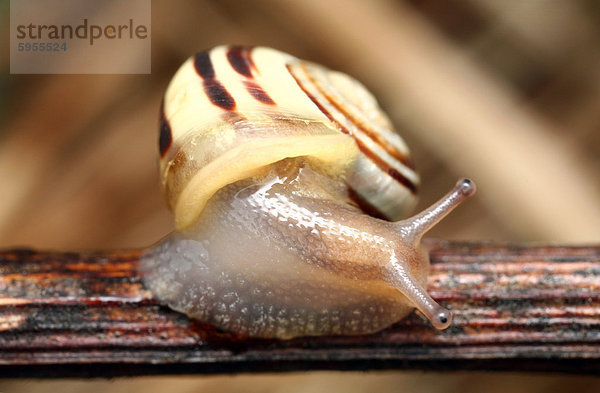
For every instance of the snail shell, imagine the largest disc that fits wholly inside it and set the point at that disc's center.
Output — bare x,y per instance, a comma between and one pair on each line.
280,174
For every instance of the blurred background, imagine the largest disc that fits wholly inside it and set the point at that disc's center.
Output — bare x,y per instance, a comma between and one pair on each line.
507,93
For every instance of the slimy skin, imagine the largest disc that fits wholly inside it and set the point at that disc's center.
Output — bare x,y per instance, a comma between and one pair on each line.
281,174
286,253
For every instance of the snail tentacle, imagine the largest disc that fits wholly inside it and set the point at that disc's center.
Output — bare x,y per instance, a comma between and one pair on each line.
416,226
439,317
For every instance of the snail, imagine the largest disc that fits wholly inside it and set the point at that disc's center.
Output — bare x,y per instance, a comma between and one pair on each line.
288,185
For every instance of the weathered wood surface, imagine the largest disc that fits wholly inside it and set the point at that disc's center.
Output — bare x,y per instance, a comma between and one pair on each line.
88,314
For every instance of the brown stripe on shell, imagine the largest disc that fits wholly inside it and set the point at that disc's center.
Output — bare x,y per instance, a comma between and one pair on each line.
405,159
240,60
365,205
381,164
165,138
216,92
258,93
390,149
233,118
387,168
203,65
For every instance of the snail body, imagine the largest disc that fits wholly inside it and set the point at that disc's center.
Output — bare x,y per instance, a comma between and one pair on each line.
270,165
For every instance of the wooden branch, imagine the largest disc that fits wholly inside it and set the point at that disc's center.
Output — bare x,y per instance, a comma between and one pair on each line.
88,314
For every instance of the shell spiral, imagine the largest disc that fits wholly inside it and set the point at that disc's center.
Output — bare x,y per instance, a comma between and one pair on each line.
232,111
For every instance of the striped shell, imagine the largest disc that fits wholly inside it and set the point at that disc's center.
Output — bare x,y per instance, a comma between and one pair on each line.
230,112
